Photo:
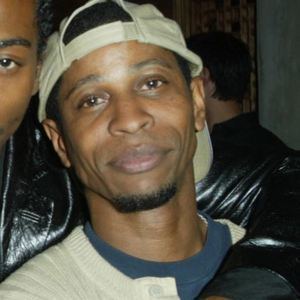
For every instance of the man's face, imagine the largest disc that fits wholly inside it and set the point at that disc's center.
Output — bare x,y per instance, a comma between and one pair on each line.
128,121
18,61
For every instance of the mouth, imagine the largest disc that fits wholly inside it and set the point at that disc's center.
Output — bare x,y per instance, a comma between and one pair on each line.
139,159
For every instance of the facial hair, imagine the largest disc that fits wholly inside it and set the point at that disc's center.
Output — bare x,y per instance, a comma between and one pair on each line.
141,202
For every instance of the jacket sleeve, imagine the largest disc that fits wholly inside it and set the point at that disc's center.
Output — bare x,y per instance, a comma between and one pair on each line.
250,283
266,262
39,203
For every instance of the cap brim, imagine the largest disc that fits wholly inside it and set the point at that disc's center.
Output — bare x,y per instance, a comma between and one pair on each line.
203,155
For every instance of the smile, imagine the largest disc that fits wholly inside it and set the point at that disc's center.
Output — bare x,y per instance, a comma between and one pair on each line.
138,160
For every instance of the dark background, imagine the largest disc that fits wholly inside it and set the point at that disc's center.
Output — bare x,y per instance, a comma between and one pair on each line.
63,8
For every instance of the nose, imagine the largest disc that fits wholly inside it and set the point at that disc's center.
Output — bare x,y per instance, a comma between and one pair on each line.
129,117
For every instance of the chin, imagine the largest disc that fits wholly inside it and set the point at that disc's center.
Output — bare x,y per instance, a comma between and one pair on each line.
135,202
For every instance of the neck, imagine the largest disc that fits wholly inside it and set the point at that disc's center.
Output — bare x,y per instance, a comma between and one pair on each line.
221,111
172,232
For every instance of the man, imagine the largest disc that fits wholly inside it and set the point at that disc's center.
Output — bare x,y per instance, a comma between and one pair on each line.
254,180
30,218
226,78
18,64
19,48
121,110
245,153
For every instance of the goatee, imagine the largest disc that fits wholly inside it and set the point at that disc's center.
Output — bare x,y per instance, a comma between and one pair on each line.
140,202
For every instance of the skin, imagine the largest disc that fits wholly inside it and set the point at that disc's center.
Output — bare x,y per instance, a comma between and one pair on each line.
129,122
18,62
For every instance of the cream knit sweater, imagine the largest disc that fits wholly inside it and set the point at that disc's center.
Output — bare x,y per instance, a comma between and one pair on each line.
73,270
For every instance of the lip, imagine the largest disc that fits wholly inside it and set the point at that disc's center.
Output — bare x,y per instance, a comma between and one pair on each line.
139,159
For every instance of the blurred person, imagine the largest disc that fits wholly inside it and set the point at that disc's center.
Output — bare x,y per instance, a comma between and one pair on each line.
226,78
254,180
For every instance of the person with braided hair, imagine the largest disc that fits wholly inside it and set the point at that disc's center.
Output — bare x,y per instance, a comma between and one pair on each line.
25,177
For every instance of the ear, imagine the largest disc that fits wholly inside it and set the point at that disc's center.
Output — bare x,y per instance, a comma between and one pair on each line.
36,80
208,83
54,134
198,100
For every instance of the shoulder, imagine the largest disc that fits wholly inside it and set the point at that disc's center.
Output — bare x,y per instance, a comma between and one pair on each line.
216,226
45,275
236,232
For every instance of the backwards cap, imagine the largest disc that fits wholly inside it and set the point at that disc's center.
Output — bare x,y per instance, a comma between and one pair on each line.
148,26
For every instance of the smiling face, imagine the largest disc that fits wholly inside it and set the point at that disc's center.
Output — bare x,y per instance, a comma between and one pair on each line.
128,122
18,62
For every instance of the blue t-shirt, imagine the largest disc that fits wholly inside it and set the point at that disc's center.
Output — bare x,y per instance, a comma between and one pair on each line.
191,274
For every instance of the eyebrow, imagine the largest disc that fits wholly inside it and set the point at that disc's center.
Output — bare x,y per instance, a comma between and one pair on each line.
83,81
150,62
15,42
133,68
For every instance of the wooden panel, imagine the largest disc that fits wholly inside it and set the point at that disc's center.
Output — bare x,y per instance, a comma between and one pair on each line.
165,6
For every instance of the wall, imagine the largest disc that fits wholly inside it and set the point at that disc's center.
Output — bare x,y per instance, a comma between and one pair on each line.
278,53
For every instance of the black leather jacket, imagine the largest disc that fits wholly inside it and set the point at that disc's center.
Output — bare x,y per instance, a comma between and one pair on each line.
269,208
40,206
255,182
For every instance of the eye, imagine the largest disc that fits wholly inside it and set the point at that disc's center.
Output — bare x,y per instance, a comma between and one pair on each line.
7,63
152,84
92,101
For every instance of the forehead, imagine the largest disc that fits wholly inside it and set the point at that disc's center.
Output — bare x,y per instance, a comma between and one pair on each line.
130,55
18,19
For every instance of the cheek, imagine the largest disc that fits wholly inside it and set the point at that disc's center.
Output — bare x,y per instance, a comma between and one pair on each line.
14,99
17,89
86,156
182,117
11,116
179,112
83,146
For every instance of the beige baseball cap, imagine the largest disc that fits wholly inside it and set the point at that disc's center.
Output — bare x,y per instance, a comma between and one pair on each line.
148,26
